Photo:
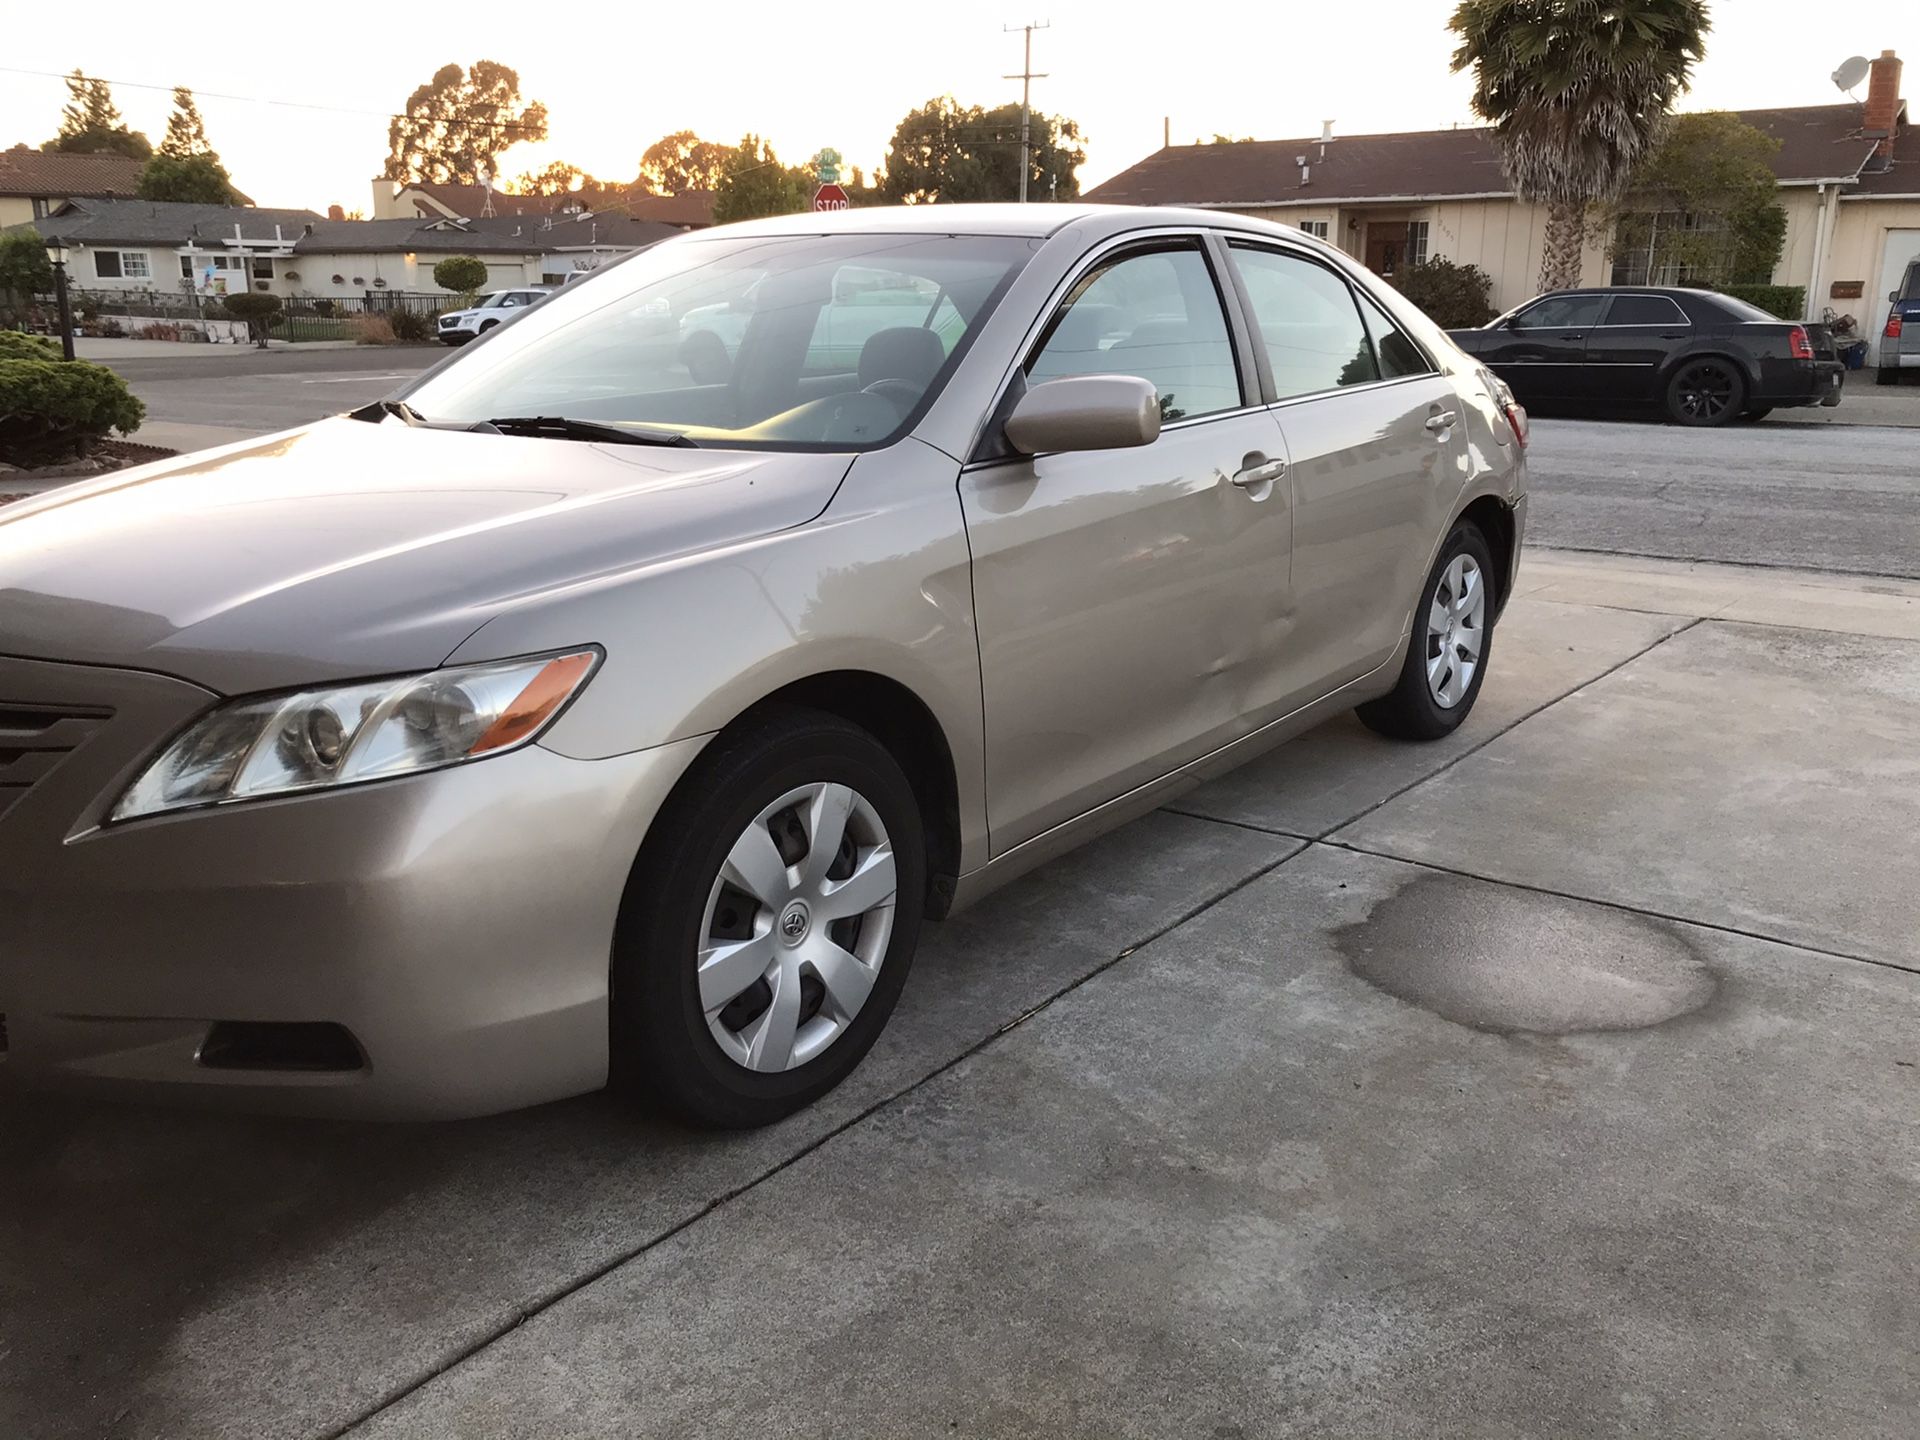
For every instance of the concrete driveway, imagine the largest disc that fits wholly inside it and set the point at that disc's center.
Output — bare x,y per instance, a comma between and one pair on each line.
1555,1079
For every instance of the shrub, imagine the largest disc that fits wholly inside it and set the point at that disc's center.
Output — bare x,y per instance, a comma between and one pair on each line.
158,330
15,346
412,325
25,270
50,409
257,310
1455,297
462,273
1789,302
371,329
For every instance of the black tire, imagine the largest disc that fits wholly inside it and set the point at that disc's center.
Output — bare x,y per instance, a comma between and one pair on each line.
1887,375
1409,711
1755,413
1707,391
663,1053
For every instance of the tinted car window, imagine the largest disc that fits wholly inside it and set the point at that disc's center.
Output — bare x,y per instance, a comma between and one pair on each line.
1911,290
1561,312
1645,310
715,338
1309,325
1156,315
1398,355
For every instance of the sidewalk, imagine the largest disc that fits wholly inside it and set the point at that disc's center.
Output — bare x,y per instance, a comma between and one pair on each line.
1864,403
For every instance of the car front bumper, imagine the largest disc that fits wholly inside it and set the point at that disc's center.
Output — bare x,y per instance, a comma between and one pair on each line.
456,924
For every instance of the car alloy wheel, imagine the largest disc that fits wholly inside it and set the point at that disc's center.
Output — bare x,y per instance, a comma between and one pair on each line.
1707,392
1456,630
796,927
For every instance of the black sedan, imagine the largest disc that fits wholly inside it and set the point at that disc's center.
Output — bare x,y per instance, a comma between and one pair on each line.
1704,358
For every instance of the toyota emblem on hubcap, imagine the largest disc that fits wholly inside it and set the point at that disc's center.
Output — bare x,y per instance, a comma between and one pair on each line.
793,924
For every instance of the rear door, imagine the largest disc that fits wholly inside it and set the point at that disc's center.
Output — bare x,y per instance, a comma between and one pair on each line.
1541,352
1123,597
1377,446
1632,341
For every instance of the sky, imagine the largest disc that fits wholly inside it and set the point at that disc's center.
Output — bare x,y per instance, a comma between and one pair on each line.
614,79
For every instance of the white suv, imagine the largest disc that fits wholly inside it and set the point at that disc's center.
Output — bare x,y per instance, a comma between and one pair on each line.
459,326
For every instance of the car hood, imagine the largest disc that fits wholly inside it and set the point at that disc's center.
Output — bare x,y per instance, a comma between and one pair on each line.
348,548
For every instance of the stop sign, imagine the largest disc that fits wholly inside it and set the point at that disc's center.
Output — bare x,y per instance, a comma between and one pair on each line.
829,197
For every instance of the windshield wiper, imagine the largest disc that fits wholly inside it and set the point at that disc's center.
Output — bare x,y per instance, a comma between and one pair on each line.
564,428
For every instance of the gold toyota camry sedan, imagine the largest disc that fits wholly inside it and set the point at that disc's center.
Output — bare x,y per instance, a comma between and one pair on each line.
617,701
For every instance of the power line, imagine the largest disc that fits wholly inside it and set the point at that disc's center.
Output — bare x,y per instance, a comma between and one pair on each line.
1026,77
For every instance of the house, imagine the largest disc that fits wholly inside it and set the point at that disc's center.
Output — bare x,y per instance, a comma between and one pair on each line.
691,210
151,247
1849,182
34,183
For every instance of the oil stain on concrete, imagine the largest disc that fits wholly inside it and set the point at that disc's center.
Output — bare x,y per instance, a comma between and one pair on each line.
1515,962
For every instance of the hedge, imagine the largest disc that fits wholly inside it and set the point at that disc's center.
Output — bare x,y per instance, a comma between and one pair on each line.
50,409
1454,297
14,345
1789,302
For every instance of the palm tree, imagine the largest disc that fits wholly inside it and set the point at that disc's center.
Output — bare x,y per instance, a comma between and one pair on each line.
1577,91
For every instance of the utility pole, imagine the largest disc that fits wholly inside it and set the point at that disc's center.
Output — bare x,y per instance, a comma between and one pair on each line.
1026,77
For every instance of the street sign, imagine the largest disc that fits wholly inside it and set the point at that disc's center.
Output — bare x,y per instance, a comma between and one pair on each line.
829,197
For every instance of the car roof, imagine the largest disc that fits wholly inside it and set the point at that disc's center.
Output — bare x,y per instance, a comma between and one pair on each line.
1036,220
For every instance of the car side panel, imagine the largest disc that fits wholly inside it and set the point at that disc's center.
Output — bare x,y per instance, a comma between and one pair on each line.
879,583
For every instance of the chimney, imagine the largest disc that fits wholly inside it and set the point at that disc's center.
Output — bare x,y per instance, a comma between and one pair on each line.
1883,100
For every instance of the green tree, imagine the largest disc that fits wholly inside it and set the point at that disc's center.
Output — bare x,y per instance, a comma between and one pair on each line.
462,273
198,179
456,125
1716,170
752,182
90,124
1578,93
257,310
682,161
25,271
945,152
1454,296
556,178
186,132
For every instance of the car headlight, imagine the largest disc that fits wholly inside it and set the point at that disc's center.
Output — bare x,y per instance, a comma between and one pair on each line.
267,745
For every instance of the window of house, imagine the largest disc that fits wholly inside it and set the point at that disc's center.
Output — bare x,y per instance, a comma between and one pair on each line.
121,264
106,264
1671,247
1156,315
1309,327
1645,310
262,267
1416,242
1315,228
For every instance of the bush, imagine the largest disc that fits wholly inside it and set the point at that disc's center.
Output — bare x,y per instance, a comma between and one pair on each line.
462,273
1455,297
158,330
371,329
256,310
50,409
15,346
1789,302
412,325
25,270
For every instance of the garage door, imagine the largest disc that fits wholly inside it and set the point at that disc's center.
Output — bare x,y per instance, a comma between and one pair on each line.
1903,247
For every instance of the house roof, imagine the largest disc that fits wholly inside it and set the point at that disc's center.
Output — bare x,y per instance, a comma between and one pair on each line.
452,237
159,222
1819,142
1901,174
54,174
560,232
692,208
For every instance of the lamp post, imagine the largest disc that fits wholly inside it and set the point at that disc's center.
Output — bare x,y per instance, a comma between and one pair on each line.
57,253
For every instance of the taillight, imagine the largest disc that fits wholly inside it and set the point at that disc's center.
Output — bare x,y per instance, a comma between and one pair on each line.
1515,412
1802,347
1893,325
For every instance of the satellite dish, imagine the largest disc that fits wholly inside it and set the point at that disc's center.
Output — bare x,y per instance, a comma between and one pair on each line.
1852,72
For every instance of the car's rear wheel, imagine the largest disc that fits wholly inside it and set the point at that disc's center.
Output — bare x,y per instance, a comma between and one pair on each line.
770,923
1887,375
1710,391
1452,642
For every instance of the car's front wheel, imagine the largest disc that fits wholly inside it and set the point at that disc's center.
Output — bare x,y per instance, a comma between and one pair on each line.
1706,392
1452,642
770,922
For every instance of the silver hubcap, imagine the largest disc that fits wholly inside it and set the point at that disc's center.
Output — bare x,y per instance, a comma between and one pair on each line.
1456,630
796,927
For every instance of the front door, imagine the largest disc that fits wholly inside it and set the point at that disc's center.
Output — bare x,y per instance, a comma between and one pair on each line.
1124,597
1542,351
1386,246
1632,341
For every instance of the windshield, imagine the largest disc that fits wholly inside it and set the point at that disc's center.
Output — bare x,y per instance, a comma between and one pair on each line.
785,342
1911,290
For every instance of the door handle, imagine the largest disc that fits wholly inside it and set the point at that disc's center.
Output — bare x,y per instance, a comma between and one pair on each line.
1577,335
1261,472
1441,423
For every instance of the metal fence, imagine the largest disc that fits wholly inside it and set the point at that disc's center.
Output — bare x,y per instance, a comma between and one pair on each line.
168,314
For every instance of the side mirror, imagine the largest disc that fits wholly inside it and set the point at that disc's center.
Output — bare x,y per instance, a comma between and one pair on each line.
1085,412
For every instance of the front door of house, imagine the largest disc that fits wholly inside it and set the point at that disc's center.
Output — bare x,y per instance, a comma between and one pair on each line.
1386,246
